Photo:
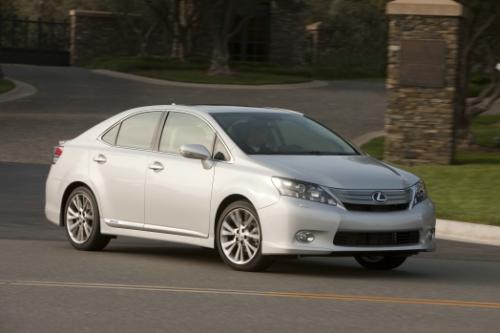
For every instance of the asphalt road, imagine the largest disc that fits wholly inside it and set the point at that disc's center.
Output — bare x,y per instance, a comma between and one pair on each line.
135,285
147,286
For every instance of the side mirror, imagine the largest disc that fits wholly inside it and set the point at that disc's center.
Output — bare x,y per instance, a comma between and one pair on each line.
195,151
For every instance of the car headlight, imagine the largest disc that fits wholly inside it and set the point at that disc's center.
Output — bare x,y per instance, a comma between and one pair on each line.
419,193
303,190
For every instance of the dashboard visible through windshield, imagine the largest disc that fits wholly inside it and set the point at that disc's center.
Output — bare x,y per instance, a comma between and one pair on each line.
281,134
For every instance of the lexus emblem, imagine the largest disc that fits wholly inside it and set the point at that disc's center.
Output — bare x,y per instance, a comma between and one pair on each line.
379,197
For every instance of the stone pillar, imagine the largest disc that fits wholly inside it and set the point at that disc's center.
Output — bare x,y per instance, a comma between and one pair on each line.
422,80
93,34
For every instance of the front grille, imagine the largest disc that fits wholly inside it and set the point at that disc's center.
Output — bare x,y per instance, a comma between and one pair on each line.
362,200
375,208
349,238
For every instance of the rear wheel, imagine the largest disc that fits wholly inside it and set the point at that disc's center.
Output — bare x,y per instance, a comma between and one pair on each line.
239,238
81,220
380,262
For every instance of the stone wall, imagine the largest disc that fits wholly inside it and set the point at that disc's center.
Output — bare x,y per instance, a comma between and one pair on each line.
420,118
94,34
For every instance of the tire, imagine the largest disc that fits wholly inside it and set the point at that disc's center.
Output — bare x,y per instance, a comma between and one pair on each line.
380,262
238,238
82,221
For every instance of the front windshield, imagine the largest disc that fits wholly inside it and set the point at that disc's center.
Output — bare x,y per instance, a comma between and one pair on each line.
261,133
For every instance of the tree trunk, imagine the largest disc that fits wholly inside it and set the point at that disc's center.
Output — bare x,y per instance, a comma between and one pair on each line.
219,64
464,137
179,41
470,108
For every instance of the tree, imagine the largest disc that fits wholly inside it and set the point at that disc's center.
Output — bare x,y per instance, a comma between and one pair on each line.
56,10
318,10
179,18
480,55
353,36
222,20
7,8
134,16
227,18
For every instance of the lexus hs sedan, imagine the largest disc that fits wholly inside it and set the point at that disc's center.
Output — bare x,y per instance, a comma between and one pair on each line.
254,183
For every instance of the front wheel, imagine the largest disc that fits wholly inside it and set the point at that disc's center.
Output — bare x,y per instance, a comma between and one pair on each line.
239,238
380,262
81,220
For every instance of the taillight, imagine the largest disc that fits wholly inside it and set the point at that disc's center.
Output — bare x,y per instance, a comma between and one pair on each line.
58,150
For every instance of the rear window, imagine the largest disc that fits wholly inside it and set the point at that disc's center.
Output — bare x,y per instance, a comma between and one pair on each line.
110,136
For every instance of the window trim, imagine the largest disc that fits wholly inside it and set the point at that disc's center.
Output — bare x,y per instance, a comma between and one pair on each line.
217,137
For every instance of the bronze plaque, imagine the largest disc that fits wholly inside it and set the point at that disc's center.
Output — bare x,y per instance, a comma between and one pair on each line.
422,63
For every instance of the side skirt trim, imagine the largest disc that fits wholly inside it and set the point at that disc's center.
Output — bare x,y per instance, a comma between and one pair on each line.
153,228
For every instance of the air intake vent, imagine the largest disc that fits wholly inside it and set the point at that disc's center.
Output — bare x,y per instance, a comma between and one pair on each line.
375,208
348,238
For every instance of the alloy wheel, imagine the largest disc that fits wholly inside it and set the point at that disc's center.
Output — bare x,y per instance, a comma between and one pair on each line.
240,236
80,218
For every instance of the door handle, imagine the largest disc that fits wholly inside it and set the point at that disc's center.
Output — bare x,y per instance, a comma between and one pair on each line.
156,166
100,159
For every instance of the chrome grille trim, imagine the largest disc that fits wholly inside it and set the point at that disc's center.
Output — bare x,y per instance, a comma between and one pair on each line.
364,197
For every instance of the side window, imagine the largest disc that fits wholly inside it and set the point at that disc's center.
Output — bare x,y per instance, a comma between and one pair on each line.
181,129
138,131
220,151
110,136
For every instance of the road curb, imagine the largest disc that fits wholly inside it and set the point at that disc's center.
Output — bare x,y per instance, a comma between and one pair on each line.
144,79
468,232
21,90
365,138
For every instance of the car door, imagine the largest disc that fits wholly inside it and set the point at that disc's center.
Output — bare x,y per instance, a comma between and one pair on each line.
118,168
179,189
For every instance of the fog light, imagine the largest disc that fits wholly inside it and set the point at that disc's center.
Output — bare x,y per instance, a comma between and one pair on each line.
429,236
304,236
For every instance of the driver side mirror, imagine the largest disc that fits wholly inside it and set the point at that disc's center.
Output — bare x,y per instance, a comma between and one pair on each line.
195,151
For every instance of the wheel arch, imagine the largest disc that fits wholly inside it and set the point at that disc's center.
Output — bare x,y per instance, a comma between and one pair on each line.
226,202
66,194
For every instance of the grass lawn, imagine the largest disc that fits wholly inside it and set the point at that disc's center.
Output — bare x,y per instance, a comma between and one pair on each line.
469,190
6,85
196,71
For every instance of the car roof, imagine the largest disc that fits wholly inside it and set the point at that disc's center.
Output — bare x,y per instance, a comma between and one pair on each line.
239,109
211,109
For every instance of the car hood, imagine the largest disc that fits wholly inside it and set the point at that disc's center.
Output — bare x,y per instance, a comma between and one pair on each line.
347,172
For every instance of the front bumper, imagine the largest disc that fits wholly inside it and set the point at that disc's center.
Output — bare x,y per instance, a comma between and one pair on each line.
281,221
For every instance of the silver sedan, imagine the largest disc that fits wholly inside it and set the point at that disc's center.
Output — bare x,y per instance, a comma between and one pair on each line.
254,183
